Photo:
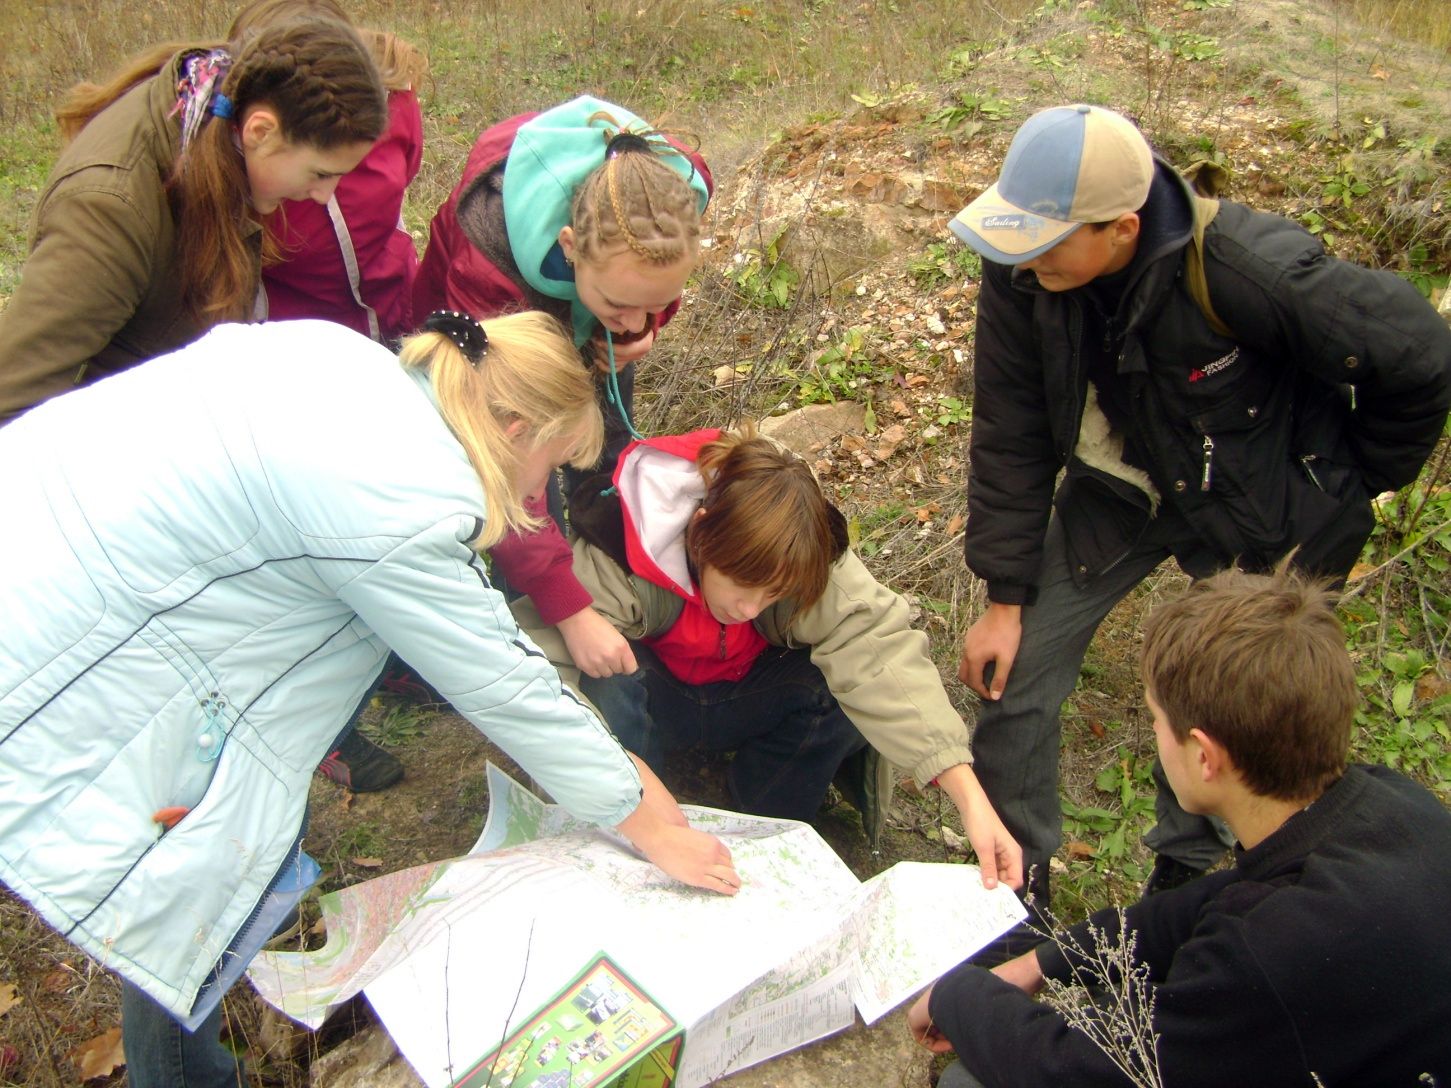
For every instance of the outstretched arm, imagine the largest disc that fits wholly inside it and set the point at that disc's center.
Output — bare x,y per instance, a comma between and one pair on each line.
998,853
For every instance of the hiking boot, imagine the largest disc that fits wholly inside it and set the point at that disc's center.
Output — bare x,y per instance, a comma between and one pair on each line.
1169,873
867,780
400,680
360,765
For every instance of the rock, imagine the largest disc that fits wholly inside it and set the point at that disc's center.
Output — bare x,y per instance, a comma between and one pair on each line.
368,1060
883,1054
815,424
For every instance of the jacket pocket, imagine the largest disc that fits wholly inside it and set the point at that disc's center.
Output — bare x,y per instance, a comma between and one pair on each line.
1103,518
1237,491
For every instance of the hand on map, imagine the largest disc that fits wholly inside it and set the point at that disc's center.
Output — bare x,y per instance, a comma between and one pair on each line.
691,857
698,859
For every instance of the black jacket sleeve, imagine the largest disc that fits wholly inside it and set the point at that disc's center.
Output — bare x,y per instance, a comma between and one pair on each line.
1013,462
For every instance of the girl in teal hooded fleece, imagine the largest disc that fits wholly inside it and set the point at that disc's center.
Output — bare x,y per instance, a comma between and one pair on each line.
584,212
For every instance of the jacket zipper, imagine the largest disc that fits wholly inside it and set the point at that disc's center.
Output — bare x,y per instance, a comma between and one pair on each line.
721,651
1208,474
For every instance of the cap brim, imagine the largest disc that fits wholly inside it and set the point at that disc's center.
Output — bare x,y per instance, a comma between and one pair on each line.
1005,233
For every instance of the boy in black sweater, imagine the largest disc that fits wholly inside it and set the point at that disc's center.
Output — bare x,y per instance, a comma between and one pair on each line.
1322,958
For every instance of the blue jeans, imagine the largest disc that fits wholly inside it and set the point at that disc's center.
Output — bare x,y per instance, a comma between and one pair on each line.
788,734
1016,740
160,1053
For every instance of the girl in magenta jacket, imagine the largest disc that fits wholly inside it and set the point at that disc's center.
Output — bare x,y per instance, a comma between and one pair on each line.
351,261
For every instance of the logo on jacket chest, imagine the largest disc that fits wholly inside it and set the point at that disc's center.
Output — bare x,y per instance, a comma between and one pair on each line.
1209,370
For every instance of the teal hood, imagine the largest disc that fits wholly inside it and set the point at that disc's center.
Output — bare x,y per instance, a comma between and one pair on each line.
551,157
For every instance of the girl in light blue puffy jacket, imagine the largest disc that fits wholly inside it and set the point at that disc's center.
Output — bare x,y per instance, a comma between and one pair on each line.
210,557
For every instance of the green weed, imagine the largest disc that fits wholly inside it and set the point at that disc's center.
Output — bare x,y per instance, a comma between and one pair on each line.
762,277
397,724
942,263
845,369
949,411
866,532
970,113
1119,823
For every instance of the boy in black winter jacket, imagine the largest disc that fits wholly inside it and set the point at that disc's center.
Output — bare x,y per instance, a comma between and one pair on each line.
1219,442
1320,958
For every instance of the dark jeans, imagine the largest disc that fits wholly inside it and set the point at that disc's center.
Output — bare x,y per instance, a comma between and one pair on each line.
788,734
1015,742
957,1076
160,1053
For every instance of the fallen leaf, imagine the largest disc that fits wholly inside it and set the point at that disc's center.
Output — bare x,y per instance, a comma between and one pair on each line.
1080,850
956,525
8,997
100,1057
928,512
1097,729
1379,73
368,863
891,438
59,980
1428,686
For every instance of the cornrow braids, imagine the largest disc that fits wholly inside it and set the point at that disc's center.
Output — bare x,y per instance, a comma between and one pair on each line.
317,76
321,82
637,201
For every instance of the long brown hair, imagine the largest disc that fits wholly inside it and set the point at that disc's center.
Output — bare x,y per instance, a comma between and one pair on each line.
765,520
319,79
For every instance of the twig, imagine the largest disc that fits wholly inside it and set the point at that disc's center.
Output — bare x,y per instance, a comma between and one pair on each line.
1361,581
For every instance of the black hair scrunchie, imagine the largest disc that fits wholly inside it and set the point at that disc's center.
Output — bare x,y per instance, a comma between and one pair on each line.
623,142
465,332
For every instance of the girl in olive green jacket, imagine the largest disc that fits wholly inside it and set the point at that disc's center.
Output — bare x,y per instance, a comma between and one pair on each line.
148,230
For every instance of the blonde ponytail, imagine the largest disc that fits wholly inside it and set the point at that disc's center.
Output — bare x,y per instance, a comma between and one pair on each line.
530,372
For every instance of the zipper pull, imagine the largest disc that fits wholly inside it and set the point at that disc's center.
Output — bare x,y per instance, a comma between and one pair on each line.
722,642
1208,473
1307,463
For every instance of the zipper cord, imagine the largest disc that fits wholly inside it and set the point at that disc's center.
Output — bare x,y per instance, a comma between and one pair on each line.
612,389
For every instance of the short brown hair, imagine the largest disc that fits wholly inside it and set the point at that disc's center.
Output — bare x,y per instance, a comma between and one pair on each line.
1257,661
765,520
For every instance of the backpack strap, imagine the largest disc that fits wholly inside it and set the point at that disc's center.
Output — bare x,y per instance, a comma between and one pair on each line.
1206,180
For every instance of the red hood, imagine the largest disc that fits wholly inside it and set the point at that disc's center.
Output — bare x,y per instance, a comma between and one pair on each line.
660,491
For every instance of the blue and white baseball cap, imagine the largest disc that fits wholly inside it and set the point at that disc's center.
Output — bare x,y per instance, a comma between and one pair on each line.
1067,166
